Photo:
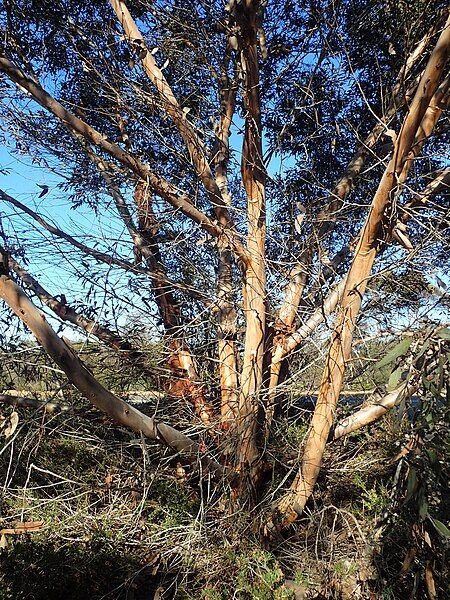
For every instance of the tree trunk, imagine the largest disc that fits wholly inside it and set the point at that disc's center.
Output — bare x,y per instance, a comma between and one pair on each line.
253,176
227,352
371,237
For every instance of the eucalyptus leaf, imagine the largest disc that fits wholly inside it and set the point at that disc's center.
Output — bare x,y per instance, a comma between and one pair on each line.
423,505
444,333
441,528
396,351
412,482
394,379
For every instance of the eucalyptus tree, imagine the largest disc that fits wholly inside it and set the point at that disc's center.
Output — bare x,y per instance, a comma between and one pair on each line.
263,165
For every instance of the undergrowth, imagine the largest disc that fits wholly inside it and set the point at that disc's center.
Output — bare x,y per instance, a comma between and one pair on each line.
121,519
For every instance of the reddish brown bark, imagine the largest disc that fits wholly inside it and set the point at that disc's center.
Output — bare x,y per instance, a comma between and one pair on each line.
184,381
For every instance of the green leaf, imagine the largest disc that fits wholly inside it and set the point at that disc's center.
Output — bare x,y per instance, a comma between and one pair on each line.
444,333
441,528
397,351
423,349
394,379
412,483
432,456
423,505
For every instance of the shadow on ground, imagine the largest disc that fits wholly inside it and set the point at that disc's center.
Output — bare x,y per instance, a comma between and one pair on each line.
40,571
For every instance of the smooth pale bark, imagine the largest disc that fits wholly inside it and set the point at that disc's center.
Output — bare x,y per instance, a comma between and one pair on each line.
170,104
218,193
373,410
293,503
317,318
185,382
287,340
227,352
399,97
85,382
437,105
346,182
159,185
253,177
299,274
283,327
292,341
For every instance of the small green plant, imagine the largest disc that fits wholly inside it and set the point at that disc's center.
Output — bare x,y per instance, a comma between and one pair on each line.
345,568
375,498
302,579
387,594
259,577
295,434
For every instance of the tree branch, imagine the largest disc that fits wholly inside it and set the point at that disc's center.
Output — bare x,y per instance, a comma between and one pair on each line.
85,382
415,123
163,188
100,256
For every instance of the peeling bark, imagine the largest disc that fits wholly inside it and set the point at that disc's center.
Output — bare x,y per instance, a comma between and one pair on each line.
170,104
85,382
328,217
184,381
253,177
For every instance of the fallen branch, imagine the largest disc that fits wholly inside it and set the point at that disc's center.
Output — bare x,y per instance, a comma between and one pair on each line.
23,527
24,402
374,410
65,357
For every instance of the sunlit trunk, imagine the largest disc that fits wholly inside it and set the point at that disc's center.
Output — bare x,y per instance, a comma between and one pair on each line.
226,320
253,176
421,114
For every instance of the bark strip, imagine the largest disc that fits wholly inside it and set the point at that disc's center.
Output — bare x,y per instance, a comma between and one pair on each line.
170,104
227,352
